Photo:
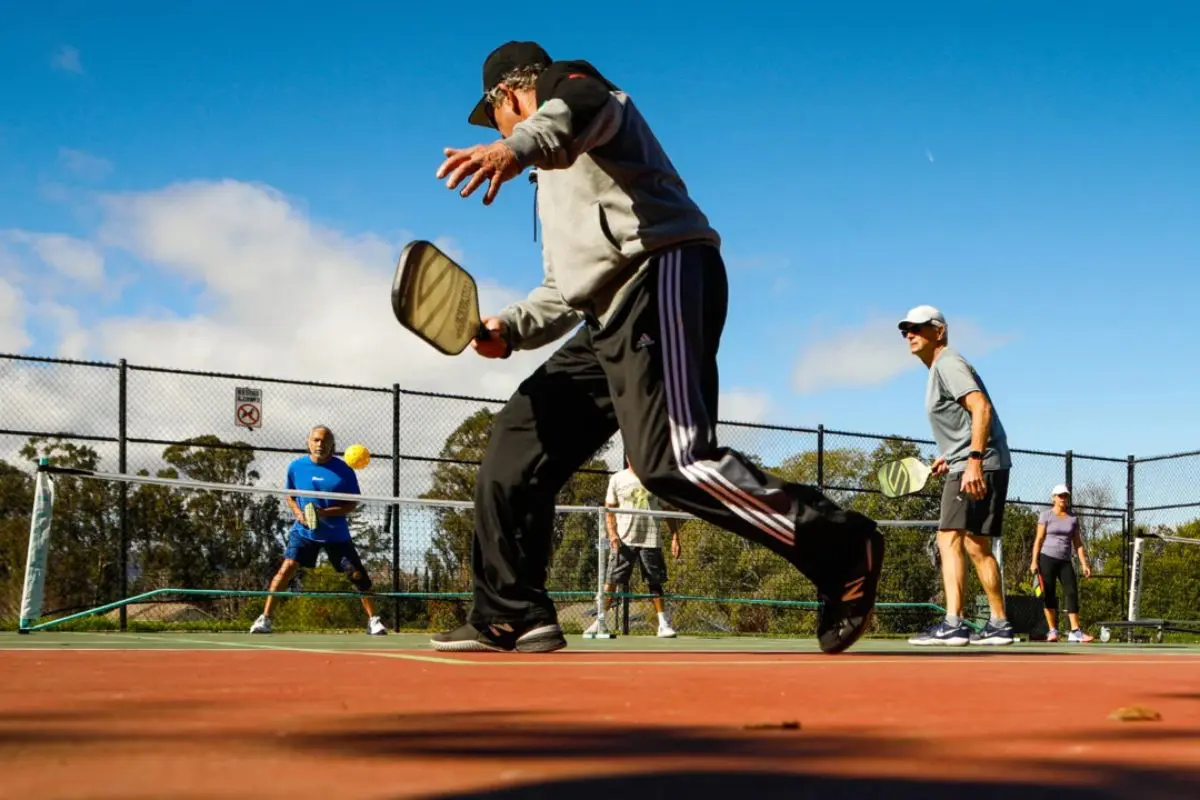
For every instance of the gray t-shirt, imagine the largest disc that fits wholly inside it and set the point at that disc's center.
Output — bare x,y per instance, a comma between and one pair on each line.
950,379
1059,533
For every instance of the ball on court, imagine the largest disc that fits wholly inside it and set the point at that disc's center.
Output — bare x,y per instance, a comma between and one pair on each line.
357,456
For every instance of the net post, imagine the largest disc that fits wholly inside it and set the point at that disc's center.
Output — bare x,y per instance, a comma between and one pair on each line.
40,522
395,508
601,541
1135,583
998,554
821,457
122,466
1129,543
601,572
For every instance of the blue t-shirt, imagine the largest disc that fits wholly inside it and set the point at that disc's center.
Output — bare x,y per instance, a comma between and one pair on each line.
332,476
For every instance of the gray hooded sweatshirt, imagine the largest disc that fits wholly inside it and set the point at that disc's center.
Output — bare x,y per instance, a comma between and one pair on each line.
608,199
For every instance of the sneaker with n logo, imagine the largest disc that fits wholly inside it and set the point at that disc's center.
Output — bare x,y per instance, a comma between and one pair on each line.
848,604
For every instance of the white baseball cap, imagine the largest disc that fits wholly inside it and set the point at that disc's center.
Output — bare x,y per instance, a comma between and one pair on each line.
1060,489
922,315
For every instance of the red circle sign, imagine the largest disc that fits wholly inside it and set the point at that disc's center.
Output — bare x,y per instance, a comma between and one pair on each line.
248,414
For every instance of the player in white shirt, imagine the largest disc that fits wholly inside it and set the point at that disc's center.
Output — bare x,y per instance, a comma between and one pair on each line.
634,538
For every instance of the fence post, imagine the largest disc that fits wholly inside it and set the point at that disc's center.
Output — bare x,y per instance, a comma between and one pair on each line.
1069,478
396,508
123,508
821,457
1126,545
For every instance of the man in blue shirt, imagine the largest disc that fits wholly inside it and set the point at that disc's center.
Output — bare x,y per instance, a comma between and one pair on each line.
326,528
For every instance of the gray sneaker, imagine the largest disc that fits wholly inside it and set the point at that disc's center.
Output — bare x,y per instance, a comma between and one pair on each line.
943,634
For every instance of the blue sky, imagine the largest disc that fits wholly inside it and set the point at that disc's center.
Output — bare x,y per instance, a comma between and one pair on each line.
182,177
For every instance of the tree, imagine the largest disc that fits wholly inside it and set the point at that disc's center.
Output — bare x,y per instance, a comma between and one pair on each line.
204,538
449,559
16,503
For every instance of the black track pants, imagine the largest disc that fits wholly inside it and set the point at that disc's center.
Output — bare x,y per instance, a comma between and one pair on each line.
651,373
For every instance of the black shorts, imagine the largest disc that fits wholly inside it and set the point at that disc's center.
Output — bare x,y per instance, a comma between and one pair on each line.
983,517
654,566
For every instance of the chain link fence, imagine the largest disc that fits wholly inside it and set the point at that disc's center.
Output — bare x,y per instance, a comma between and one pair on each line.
246,429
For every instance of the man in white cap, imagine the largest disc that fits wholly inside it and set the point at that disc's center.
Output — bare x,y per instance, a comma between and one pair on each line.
974,456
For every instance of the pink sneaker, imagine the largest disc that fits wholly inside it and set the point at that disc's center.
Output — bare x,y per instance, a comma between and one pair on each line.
1079,636
1052,636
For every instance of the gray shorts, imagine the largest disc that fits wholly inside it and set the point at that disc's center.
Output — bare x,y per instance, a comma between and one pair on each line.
654,566
977,517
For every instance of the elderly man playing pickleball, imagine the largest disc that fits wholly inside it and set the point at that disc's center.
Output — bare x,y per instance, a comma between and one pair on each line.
321,525
627,253
975,459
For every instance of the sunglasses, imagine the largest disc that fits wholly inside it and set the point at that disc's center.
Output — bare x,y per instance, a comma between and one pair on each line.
909,328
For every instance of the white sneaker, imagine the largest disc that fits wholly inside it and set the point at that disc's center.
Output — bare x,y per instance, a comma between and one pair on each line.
665,631
375,627
599,630
261,625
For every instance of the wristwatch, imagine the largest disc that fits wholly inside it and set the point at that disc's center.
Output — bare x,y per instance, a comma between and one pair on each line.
976,454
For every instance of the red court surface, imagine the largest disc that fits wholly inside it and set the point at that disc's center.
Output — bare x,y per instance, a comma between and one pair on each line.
255,721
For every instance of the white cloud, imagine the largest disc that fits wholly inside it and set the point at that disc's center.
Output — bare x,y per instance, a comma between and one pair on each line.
73,258
84,165
276,294
874,353
72,338
13,337
10,265
66,59
743,405
282,294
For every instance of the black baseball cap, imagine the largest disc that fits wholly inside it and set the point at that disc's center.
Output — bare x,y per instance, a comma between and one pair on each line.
499,62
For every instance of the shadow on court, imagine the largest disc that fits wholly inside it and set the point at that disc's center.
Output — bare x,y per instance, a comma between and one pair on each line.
757,761
726,785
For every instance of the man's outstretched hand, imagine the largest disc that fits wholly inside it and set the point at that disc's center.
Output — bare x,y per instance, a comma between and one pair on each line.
495,346
494,163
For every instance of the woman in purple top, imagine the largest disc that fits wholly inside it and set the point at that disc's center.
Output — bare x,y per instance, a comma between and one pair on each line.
1057,533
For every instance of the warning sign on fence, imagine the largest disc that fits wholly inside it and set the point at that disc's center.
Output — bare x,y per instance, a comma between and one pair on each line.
247,405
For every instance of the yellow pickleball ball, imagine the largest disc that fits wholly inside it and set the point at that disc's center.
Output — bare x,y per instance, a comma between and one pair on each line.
357,456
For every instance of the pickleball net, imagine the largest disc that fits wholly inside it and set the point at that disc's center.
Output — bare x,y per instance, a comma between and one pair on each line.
1164,590
159,553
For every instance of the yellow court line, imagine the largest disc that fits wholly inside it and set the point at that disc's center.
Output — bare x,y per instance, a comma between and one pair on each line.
320,650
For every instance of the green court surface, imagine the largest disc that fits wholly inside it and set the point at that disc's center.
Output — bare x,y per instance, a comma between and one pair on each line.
412,642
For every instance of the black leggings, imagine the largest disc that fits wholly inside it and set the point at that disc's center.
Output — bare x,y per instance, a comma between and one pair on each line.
1053,570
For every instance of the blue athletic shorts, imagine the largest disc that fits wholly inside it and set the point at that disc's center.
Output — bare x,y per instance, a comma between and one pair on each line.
304,551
